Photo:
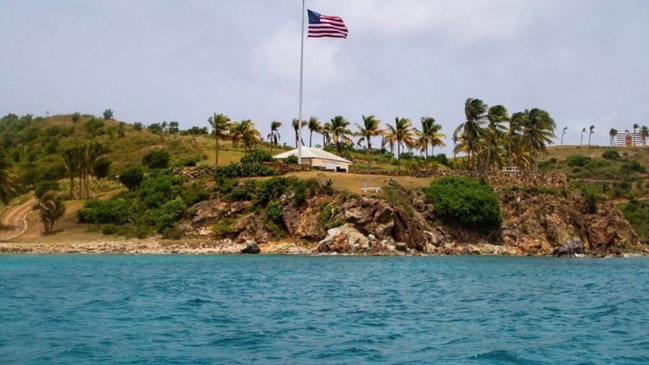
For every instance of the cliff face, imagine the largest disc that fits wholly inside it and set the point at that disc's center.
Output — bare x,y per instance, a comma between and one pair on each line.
534,223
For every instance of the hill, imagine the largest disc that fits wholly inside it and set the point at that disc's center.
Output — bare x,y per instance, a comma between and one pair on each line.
599,181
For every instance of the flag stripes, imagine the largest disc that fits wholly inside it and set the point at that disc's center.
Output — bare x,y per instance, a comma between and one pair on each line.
321,26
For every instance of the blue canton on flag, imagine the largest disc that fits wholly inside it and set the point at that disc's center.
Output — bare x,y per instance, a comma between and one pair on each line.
326,26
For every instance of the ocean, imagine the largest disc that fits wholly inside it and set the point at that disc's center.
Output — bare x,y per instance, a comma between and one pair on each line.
174,309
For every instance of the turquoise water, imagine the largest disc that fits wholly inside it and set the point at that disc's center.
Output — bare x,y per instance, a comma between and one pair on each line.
80,309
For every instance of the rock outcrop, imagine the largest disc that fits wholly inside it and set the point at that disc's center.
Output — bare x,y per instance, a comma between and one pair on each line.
534,223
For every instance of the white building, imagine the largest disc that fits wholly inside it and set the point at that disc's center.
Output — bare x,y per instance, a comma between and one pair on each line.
318,159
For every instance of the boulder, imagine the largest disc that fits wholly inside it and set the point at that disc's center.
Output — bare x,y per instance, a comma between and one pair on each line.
251,247
571,248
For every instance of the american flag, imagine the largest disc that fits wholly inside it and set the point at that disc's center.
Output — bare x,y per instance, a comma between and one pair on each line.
326,26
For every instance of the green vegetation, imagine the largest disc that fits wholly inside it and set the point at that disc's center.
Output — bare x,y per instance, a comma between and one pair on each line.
466,202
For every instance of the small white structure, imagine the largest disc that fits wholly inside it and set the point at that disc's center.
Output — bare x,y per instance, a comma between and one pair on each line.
318,159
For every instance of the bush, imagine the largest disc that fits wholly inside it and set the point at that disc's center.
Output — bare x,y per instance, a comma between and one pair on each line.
577,161
156,159
101,169
291,160
271,189
632,166
132,177
256,156
611,155
465,202
244,170
115,211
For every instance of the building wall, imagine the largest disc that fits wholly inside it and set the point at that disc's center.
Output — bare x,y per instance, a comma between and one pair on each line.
328,164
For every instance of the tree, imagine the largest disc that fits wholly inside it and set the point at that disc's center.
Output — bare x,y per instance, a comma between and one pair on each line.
174,127
497,115
340,133
51,208
273,136
156,159
400,133
644,133
244,132
220,124
132,177
91,152
369,129
314,126
470,132
297,125
73,160
592,130
538,131
429,135
326,134
7,185
581,140
108,114
612,134
563,133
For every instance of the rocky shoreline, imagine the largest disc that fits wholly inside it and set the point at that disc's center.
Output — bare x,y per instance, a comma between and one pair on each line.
158,246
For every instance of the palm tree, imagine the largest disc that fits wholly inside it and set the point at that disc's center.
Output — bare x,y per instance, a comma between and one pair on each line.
612,133
244,132
496,115
429,135
314,126
400,133
644,133
92,152
297,126
369,129
273,136
326,134
514,134
592,130
220,125
563,134
538,131
7,185
73,161
340,133
581,140
51,208
635,126
470,132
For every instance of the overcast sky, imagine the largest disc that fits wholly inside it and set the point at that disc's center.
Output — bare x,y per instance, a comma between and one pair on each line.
584,61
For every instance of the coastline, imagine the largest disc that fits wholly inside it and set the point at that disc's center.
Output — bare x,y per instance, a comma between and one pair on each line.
156,246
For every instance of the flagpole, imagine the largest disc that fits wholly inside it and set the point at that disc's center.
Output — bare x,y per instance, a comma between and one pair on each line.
299,120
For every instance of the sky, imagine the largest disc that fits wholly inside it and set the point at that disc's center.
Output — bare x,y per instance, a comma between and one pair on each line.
586,62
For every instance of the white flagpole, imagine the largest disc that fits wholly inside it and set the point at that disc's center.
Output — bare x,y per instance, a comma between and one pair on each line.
299,143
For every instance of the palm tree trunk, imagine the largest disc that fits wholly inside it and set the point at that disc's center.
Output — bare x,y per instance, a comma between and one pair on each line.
216,148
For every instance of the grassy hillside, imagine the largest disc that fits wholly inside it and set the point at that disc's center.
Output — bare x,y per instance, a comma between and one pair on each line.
35,146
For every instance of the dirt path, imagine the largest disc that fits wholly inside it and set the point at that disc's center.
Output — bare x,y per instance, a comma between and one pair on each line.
14,221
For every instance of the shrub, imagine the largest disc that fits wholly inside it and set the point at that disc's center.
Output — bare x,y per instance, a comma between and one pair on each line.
291,160
245,192
577,161
271,189
611,155
132,177
256,156
632,166
115,211
101,169
244,170
223,228
109,229
156,159
465,202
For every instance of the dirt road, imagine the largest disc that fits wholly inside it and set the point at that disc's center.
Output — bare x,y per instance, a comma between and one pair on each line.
14,220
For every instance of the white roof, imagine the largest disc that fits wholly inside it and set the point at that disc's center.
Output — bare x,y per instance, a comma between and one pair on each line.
310,152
